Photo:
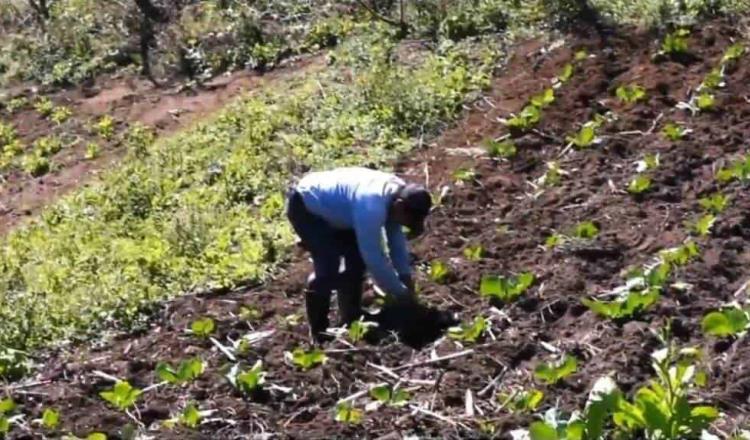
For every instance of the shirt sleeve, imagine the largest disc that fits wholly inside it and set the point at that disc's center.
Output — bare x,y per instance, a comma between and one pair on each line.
398,248
369,219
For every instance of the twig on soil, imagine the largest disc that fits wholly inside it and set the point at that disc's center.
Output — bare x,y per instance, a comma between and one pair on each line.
426,174
435,360
469,403
743,288
361,393
454,423
11,388
223,349
388,372
547,136
104,375
492,383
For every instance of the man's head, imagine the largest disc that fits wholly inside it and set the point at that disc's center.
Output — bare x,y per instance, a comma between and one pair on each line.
410,208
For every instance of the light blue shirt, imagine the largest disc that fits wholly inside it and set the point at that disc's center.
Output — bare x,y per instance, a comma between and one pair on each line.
359,199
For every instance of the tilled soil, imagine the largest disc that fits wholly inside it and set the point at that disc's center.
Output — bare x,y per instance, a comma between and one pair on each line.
501,210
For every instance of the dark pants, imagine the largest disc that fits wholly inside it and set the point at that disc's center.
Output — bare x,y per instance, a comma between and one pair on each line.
328,246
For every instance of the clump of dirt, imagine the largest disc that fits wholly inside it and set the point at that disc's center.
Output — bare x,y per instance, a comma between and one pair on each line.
503,209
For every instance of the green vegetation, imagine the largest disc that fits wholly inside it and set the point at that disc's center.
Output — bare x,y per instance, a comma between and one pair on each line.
122,396
358,329
346,413
439,271
187,371
505,149
203,327
640,184
521,401
248,382
631,93
470,332
307,359
50,418
390,396
674,132
676,42
505,289
729,321
553,372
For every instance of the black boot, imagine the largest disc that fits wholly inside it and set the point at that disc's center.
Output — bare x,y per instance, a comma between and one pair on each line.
317,305
350,304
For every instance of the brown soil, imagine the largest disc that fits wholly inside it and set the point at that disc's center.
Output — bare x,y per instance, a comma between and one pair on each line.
499,212
128,100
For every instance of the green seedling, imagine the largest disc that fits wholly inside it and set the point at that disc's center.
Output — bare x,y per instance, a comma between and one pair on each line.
439,271
543,99
705,101
586,230
35,165
730,321
105,127
47,146
464,175
584,138
650,162
629,305
203,328
469,332
7,406
640,184
739,170
715,203
92,436
553,372
733,53
713,80
676,43
13,148
249,313
681,255
190,417
504,149
554,240
44,107
630,94
50,418
553,175
674,132
188,371
580,55
348,414
566,74
248,382
703,225
7,133
60,115
505,289
527,119
92,151
523,401
16,104
390,396
122,396
474,253
307,360
358,329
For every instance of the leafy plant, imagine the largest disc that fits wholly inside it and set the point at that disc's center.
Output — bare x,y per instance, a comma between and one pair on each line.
105,127
680,255
544,98
469,332
715,203
15,104
553,175
474,252
554,240
358,329
35,165
729,321
703,225
390,396
521,401
7,133
92,436
674,132
44,106
733,53
566,73
705,101
505,289
248,382
92,151
631,93
739,169
586,230
7,405
190,417
628,305
307,360
122,396
60,114
527,119
47,146
662,409
50,418
188,371
346,413
504,149
249,313
203,327
650,162
464,175
439,271
640,184
676,42
584,138
553,372
713,80
580,55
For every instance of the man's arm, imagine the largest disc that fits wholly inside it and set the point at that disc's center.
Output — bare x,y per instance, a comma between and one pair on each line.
398,247
368,224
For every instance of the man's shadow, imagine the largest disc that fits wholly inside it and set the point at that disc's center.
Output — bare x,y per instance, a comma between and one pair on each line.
416,326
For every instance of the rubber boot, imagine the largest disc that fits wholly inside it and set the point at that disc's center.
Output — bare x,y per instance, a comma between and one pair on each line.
317,304
350,303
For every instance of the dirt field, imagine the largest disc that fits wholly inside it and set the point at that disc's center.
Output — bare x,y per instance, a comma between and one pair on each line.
499,210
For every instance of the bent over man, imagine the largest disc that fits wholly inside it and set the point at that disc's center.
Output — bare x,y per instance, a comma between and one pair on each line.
341,215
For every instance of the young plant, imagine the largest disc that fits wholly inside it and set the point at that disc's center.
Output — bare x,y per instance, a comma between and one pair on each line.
439,271
92,151
739,170
733,53
190,417
505,289
526,120
60,115
650,162
544,98
464,175
713,80
676,43
586,230
554,240
469,332
390,396
7,406
565,74
630,94
584,138
122,396
729,321
307,359
624,307
249,313
35,165
474,252
50,418
188,371
674,132
105,127
7,133
44,107
715,203
358,329
504,149
553,372
16,104
552,176
705,101
680,255
203,328
348,414
702,226
640,184
249,382
47,146
523,401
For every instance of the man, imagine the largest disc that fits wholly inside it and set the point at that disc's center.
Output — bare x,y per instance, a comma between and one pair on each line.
341,215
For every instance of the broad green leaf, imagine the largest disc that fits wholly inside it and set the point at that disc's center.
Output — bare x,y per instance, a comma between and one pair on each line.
703,225
190,416
7,405
4,425
585,137
542,431
733,52
554,240
715,203
50,418
308,360
203,327
676,42
586,229
96,436
640,184
566,73
551,373
358,329
581,55
474,253
470,332
249,313
505,149
631,93
544,99
122,396
464,175
705,101
727,322
714,79
439,271
399,398
673,132
381,393
346,413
